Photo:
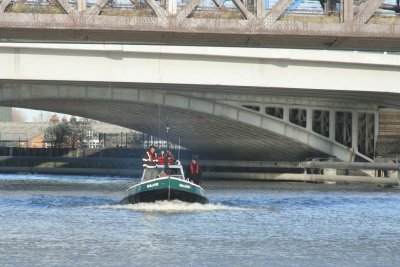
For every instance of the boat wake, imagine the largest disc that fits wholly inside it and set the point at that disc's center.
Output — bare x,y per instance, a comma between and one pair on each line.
174,206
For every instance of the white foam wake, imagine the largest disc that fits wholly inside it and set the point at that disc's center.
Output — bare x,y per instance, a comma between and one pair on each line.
174,206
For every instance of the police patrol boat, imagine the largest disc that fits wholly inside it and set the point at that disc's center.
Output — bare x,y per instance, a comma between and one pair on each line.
169,184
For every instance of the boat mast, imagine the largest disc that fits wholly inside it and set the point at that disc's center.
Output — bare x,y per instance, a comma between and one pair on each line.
167,128
179,148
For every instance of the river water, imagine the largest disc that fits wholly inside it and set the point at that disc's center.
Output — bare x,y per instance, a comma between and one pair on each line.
77,221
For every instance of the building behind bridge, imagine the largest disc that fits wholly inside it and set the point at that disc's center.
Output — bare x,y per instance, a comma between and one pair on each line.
102,135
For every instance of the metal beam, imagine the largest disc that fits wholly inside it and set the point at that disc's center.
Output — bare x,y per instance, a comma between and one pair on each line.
160,12
277,10
245,12
260,8
97,7
188,9
366,10
212,32
68,9
218,3
347,10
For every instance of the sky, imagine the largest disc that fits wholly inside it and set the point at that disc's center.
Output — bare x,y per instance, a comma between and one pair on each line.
32,115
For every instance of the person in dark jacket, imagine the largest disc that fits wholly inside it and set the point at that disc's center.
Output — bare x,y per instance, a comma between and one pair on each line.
194,172
150,164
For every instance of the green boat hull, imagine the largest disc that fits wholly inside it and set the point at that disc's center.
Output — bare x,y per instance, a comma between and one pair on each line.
165,189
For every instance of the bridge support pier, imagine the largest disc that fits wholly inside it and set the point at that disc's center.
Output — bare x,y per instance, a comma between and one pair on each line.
332,125
285,113
354,132
309,119
376,133
346,11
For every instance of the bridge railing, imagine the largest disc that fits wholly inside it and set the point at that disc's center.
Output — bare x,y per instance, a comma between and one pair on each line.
250,9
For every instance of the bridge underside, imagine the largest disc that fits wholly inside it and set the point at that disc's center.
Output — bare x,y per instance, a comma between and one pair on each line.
213,121
230,102
207,135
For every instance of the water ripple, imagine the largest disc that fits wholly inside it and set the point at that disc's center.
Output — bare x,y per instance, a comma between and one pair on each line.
175,206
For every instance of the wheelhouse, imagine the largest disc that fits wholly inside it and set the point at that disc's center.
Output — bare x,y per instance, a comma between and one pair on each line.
174,171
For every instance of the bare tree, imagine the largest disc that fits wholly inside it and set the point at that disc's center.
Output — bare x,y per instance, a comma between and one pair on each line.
78,131
71,133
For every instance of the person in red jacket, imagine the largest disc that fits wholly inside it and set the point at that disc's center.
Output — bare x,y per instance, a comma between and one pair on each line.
194,172
169,159
150,161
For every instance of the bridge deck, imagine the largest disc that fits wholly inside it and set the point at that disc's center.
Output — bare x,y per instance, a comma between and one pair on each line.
361,25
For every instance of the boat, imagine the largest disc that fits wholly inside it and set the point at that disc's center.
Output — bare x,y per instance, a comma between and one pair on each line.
169,184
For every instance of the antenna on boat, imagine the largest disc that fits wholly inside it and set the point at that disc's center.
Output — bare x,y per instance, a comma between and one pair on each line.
179,148
167,128
159,125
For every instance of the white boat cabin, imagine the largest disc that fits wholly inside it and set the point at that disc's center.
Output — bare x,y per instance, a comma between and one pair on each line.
175,171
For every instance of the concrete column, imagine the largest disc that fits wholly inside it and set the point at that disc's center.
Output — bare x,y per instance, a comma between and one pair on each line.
347,12
376,128
309,114
260,7
332,124
286,114
354,130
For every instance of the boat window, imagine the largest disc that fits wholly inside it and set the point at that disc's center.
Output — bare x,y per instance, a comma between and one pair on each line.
173,172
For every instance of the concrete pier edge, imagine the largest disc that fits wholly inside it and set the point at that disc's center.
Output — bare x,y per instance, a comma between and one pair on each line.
286,177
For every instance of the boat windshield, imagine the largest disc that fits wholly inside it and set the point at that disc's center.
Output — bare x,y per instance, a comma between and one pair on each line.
174,171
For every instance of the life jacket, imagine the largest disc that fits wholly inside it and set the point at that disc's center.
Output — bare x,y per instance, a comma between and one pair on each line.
192,169
150,161
160,160
170,158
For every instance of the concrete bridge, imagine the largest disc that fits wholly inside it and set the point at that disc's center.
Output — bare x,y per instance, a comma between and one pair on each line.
348,24
232,103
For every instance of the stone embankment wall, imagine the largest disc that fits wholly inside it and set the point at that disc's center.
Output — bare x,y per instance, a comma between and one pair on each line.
115,161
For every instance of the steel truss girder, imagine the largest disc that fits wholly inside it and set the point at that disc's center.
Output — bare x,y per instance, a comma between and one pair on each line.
365,9
343,129
366,134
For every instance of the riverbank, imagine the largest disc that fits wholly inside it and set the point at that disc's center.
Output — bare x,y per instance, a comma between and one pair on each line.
128,162
271,177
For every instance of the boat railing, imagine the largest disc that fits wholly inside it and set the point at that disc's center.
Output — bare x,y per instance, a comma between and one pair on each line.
170,166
